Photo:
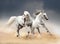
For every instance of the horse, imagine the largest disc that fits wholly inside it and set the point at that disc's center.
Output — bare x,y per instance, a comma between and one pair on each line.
28,21
38,21
19,20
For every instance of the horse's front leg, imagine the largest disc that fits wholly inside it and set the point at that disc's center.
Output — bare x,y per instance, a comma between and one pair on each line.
29,25
38,29
19,27
32,30
47,29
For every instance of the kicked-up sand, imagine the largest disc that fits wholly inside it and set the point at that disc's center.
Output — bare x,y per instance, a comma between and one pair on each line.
8,36
44,38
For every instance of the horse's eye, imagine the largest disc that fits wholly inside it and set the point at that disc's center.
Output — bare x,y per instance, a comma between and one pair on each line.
27,14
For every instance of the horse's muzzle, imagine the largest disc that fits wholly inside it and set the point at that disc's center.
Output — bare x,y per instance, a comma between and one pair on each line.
45,17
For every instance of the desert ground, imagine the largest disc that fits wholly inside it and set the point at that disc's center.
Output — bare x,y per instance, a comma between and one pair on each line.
8,36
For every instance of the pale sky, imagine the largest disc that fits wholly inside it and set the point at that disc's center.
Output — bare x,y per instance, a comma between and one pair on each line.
16,7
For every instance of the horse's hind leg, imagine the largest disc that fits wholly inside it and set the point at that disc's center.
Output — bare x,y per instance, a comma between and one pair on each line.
18,30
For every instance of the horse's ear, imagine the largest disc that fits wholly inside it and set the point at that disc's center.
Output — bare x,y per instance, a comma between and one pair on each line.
45,14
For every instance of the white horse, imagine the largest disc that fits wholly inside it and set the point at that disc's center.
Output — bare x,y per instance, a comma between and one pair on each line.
28,20
19,20
38,22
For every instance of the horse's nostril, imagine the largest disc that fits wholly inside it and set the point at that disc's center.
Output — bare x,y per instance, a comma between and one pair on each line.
28,32
47,19
23,24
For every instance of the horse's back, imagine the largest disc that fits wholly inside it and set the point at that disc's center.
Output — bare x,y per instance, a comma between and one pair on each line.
20,20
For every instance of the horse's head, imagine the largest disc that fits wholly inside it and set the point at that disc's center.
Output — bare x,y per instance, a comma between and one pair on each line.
26,14
41,13
45,16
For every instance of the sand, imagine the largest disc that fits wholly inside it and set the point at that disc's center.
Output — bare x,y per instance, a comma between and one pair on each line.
44,38
8,36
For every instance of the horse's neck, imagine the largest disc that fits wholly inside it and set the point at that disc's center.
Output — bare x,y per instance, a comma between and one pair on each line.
39,18
30,19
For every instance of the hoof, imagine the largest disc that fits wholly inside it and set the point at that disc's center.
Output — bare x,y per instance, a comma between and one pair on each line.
17,35
51,35
40,33
48,31
27,36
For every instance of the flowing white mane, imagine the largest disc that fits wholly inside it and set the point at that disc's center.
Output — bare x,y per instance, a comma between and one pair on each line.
26,12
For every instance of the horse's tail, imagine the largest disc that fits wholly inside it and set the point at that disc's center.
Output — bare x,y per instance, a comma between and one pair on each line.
11,20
